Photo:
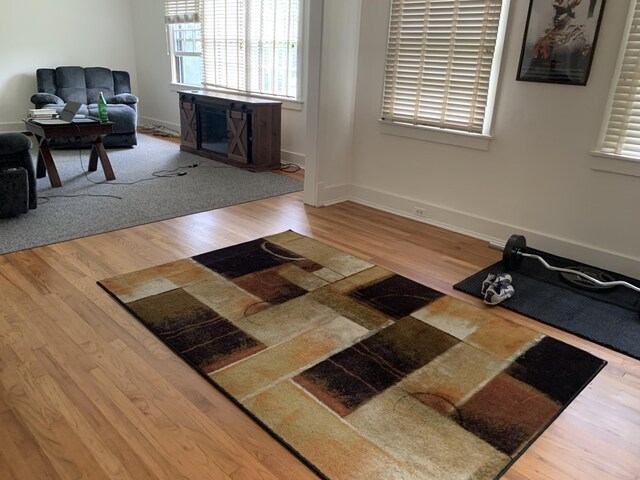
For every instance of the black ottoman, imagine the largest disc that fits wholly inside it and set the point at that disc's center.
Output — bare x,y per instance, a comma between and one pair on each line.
17,178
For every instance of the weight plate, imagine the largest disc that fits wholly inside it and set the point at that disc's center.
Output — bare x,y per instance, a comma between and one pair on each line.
511,258
580,282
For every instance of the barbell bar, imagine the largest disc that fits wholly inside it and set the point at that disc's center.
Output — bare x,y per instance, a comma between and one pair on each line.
513,253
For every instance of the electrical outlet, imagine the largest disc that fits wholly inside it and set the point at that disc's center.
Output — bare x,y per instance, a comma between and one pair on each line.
419,211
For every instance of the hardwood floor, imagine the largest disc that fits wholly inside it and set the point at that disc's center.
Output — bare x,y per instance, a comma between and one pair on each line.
87,392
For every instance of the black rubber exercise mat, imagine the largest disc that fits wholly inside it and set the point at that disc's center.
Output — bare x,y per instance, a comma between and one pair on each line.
611,319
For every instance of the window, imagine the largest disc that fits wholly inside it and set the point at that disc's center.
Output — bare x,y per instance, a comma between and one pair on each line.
248,46
440,70
186,52
621,131
252,46
182,18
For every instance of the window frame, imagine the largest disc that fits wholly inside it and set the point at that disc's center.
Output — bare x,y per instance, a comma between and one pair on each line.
171,31
461,138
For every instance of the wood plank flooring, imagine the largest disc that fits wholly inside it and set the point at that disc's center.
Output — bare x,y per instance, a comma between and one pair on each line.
87,392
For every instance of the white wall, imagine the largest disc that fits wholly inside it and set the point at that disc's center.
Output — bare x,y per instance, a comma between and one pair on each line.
102,35
158,98
534,179
337,96
158,102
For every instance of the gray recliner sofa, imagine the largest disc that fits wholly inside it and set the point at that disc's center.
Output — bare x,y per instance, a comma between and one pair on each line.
83,85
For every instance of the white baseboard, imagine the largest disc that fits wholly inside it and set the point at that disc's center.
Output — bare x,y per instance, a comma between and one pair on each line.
335,194
292,157
482,228
155,121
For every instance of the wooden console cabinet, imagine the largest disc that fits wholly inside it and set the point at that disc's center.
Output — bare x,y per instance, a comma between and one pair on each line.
233,129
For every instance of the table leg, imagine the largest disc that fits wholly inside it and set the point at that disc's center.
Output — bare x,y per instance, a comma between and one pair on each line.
45,164
93,158
98,151
41,170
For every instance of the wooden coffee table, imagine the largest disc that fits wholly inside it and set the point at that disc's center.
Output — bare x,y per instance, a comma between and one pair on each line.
45,133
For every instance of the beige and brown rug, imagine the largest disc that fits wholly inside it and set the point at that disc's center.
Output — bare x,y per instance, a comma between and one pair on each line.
363,373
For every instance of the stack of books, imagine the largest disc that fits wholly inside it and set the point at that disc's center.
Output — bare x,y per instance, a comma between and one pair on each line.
41,113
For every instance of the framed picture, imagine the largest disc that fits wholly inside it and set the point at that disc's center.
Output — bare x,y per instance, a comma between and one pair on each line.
559,41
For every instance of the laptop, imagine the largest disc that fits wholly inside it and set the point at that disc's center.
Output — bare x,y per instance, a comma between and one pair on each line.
67,115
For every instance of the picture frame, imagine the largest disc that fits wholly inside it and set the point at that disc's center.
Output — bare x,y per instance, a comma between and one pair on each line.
559,41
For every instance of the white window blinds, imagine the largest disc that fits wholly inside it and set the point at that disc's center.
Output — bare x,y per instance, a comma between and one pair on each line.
181,11
622,135
439,62
252,46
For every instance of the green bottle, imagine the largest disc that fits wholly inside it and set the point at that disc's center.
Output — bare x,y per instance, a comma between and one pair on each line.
102,108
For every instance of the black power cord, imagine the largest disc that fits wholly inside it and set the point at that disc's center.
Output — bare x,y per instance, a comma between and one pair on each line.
154,175
49,197
286,167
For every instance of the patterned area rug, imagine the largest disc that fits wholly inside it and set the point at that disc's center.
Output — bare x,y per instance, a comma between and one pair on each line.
363,373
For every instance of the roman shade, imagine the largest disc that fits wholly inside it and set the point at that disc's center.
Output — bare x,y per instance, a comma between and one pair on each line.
182,11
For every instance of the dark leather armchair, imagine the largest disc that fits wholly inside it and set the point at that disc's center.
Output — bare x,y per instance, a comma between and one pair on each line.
83,85
15,159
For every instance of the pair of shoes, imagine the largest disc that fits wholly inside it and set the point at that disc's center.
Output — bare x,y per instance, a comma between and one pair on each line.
497,288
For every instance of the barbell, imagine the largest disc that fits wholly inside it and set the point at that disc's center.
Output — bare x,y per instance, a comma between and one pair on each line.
513,253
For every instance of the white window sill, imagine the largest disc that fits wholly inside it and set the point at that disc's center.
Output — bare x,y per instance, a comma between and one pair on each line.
287,104
438,135
612,163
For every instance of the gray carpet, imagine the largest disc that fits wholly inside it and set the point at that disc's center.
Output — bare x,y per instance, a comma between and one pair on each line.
202,188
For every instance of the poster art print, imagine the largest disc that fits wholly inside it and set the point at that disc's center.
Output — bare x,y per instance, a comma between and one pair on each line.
559,40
